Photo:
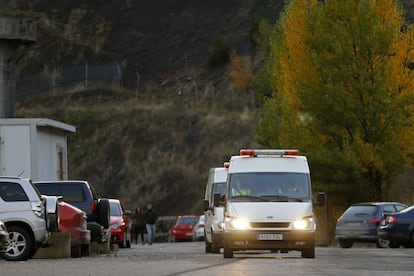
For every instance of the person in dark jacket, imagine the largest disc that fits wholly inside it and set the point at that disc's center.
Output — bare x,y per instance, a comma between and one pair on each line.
138,225
150,219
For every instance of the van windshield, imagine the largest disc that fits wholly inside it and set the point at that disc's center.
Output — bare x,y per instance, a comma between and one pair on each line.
269,186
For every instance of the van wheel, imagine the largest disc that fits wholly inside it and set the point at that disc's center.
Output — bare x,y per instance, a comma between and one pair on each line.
208,247
228,252
215,247
308,253
103,212
21,244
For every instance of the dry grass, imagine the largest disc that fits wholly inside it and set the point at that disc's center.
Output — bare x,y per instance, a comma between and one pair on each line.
147,150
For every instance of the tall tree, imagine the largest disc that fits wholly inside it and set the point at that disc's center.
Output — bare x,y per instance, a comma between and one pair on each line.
344,96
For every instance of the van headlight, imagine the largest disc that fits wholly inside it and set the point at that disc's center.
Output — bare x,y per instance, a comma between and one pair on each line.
239,223
304,223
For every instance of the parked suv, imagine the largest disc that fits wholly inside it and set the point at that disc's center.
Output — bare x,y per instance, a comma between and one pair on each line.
25,213
82,195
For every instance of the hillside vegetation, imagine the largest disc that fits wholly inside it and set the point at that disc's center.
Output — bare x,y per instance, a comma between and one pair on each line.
139,150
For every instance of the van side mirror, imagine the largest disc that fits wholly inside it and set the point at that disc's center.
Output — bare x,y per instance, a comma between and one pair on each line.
218,200
320,200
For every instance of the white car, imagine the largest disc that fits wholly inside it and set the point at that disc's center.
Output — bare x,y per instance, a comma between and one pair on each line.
198,230
28,216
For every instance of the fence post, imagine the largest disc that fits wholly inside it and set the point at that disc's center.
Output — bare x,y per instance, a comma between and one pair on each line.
118,76
137,84
86,74
54,79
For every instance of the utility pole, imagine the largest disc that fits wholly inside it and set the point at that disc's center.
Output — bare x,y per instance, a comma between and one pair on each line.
15,34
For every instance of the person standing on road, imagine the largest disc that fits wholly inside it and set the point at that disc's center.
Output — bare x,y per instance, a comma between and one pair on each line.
138,225
150,219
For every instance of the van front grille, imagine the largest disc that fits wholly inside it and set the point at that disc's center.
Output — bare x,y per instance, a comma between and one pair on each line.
269,224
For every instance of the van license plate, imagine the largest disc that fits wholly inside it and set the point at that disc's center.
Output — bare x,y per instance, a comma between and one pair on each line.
269,237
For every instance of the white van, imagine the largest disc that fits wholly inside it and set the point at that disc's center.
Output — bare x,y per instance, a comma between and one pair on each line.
214,215
268,203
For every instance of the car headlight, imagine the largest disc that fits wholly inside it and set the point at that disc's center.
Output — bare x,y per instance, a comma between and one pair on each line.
304,223
239,223
114,226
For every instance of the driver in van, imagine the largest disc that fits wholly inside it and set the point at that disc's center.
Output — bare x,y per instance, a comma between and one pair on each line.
239,188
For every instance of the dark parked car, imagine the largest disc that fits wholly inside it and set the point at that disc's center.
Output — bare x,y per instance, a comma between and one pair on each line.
360,222
162,228
398,228
83,196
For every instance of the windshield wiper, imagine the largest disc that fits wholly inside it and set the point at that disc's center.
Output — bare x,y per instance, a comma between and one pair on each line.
250,197
282,198
277,198
295,199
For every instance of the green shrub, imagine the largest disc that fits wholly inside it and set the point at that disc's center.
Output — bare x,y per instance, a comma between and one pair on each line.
219,52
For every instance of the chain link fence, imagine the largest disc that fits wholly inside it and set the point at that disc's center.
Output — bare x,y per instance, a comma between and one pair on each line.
59,78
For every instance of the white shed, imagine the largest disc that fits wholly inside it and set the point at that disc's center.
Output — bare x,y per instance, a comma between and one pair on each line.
34,148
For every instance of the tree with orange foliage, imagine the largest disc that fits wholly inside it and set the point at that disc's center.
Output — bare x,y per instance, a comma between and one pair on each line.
240,72
345,92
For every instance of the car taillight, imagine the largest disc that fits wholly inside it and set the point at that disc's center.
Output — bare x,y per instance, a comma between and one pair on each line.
374,220
391,219
94,206
37,208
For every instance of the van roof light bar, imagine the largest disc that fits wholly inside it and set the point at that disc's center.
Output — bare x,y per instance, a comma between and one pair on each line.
274,152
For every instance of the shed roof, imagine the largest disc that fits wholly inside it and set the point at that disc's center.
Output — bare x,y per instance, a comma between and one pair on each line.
40,122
